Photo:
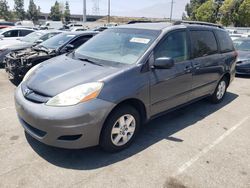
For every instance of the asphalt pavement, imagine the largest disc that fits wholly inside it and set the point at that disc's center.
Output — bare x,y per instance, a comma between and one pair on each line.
201,145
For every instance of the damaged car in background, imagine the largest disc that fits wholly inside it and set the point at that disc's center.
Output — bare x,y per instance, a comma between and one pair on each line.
18,62
32,39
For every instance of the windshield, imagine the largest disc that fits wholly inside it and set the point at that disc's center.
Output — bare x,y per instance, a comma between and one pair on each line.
123,46
243,45
57,41
33,37
3,30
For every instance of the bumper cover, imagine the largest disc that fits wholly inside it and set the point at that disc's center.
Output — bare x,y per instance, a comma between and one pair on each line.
82,123
244,70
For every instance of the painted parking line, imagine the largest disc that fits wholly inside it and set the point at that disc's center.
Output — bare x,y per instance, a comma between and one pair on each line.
205,150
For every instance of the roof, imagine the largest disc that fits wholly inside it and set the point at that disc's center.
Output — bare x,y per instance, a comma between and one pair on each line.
167,25
150,26
50,31
79,32
15,28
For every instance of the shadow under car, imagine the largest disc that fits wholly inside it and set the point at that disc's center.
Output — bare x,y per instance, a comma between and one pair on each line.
150,134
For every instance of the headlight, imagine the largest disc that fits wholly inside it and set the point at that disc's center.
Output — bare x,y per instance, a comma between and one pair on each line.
76,95
28,74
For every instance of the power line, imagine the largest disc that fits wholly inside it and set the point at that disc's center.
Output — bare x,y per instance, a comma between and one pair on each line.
96,7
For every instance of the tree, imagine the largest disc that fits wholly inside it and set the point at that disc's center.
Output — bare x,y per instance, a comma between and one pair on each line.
4,10
226,12
206,12
191,8
67,12
55,12
244,13
19,9
32,13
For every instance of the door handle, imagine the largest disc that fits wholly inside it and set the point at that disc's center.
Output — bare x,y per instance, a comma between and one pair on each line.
197,66
188,69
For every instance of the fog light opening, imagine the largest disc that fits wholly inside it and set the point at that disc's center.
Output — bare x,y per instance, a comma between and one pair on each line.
70,137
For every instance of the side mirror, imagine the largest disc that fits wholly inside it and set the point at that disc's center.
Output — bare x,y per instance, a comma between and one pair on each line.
1,36
39,41
163,63
69,48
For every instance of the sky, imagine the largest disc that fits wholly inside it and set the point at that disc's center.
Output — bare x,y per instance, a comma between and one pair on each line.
137,8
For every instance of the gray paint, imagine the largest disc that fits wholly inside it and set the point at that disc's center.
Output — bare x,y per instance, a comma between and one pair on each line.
158,90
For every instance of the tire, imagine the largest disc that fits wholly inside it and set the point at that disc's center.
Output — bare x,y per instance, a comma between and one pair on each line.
220,91
116,135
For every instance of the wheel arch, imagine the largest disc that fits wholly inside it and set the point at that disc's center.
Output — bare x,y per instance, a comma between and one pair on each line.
228,78
137,104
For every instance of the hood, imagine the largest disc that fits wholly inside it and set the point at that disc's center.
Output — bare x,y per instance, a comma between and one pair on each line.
31,54
243,55
13,44
62,73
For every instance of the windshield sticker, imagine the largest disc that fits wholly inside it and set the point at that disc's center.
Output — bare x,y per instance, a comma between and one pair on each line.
140,40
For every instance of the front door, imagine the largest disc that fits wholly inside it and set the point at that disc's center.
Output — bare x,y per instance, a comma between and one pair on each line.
171,87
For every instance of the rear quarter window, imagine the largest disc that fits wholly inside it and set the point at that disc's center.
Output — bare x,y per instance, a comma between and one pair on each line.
204,43
23,33
226,43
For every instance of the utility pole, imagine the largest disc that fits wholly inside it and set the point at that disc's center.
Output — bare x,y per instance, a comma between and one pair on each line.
84,16
109,11
171,12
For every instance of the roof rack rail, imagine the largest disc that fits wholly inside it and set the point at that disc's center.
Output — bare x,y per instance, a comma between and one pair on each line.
198,23
145,21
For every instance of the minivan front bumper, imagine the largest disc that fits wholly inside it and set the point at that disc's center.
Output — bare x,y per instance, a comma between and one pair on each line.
72,127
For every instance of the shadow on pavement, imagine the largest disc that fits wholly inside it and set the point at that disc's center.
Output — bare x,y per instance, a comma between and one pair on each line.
155,131
243,76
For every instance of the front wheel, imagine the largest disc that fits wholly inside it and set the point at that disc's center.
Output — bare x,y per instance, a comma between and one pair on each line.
220,92
120,129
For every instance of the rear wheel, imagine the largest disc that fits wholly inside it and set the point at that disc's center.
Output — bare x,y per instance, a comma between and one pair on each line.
220,91
120,129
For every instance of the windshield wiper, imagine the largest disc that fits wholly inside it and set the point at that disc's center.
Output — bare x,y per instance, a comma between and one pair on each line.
89,61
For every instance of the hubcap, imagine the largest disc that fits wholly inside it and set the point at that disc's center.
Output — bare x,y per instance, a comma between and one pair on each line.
221,90
123,130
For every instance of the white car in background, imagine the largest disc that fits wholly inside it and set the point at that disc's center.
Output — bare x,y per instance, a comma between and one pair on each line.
14,33
25,23
52,25
73,29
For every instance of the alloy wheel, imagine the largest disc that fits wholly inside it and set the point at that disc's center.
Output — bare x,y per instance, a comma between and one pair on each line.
221,90
123,130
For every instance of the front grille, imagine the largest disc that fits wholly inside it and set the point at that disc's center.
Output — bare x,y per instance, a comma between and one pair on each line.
34,130
34,96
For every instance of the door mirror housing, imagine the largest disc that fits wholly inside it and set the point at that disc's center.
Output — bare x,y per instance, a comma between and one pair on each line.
69,48
164,63
39,41
1,36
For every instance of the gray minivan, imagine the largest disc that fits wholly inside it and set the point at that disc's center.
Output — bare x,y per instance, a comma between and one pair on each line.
105,90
